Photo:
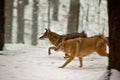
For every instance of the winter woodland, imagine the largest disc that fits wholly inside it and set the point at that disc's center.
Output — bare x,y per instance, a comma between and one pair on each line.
26,56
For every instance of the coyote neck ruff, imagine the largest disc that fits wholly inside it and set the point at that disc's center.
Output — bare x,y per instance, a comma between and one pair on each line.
54,38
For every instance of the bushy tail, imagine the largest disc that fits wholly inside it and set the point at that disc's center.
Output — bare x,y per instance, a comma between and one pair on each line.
106,39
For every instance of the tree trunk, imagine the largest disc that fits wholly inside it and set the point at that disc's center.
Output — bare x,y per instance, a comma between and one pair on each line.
114,34
20,33
114,41
73,19
35,22
49,7
8,20
55,4
2,18
87,14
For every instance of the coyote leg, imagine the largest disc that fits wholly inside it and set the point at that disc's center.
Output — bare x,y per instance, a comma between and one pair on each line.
49,50
81,61
71,57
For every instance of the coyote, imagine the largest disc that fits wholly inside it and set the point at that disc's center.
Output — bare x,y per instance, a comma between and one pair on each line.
55,38
81,47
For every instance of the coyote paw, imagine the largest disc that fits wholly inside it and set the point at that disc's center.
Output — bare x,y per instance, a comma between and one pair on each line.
49,53
81,66
65,57
61,67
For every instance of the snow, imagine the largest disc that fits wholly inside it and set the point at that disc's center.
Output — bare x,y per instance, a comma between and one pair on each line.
113,75
26,62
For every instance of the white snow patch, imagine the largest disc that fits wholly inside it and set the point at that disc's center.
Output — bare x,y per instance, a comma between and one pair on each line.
114,75
24,62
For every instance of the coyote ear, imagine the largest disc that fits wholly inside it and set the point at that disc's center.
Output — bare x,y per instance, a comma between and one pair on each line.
49,30
46,29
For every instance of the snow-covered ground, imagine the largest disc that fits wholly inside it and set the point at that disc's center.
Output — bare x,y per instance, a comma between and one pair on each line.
113,75
24,62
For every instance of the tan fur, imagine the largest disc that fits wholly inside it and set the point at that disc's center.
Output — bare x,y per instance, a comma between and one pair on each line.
81,47
56,39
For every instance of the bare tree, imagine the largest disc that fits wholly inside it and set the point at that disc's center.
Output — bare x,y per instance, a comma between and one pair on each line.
99,2
55,4
73,19
2,18
8,20
35,22
114,34
82,16
114,42
21,6
49,7
87,14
